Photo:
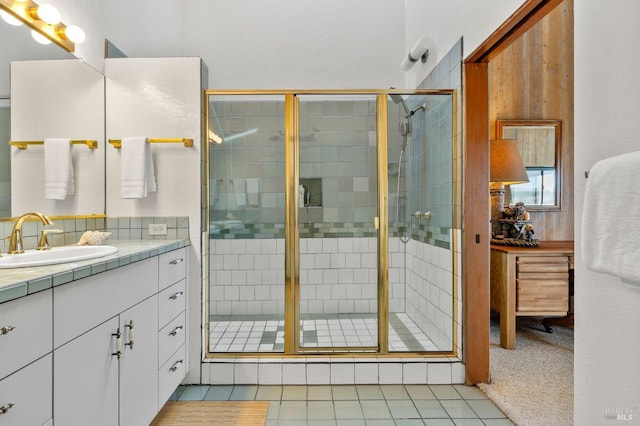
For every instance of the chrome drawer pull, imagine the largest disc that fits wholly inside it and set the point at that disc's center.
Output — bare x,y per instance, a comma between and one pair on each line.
176,330
176,261
118,337
176,295
6,407
130,327
7,330
176,365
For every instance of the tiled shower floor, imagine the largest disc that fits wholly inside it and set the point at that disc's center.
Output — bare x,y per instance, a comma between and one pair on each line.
266,334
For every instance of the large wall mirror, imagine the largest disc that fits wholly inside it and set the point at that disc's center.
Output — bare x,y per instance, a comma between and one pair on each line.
16,44
539,146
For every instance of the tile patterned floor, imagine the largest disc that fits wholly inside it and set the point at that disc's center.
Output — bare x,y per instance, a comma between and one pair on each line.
256,334
360,405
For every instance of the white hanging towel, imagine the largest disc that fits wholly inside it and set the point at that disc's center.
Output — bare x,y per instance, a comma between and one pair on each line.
239,191
137,177
253,191
611,218
58,169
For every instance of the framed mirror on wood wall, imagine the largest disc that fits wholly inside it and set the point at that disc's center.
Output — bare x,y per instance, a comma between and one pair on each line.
539,146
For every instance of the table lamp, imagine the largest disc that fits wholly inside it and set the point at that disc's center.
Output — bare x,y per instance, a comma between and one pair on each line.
506,168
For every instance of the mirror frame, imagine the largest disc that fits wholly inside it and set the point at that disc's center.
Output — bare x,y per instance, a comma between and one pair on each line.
556,126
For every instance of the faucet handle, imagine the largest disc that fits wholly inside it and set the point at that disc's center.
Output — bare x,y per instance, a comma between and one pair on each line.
44,244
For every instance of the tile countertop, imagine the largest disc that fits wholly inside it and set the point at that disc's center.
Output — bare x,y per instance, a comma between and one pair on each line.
19,282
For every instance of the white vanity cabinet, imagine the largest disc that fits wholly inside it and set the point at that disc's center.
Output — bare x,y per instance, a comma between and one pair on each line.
108,349
25,360
100,378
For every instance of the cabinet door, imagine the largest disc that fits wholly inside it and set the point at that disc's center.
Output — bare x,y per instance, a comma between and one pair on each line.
28,394
85,381
138,364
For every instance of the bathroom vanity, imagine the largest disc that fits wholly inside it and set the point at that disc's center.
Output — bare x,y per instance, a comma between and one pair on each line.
98,342
529,281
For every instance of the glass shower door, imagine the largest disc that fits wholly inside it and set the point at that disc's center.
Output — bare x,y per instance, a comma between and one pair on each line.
337,206
246,223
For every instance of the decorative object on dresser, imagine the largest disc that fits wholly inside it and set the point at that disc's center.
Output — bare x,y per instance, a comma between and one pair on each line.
509,226
529,281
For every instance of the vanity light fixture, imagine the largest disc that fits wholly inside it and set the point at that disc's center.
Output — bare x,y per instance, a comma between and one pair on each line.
44,21
420,50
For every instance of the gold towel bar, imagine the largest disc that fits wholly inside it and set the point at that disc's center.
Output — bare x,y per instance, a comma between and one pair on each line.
24,144
117,143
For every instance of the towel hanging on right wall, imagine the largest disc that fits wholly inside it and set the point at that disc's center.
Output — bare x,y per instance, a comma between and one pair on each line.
611,218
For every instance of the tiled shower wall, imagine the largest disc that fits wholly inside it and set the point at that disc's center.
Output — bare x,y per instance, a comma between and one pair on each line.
337,275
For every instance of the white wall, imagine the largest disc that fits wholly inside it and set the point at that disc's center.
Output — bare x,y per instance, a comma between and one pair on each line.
607,103
57,99
297,44
444,22
161,98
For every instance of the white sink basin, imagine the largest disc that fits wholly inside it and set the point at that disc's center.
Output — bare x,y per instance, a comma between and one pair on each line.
55,255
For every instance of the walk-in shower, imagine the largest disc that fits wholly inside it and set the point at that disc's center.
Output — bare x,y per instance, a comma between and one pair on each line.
314,246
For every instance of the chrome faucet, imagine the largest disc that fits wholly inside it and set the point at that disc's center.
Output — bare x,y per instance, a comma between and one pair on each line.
15,239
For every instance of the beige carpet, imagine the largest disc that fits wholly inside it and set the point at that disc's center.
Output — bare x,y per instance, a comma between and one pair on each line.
212,413
533,384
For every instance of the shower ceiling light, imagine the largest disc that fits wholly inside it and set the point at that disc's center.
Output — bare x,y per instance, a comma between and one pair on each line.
420,50
44,20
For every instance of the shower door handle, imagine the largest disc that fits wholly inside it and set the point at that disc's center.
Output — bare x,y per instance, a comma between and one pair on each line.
376,222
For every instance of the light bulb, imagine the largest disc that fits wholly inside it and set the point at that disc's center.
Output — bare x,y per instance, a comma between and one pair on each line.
39,37
48,14
10,19
74,33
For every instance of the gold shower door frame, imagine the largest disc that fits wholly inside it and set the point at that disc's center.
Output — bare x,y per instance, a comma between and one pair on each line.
292,345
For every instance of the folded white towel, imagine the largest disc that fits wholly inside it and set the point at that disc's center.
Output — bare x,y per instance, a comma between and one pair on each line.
239,192
610,225
253,192
137,177
58,169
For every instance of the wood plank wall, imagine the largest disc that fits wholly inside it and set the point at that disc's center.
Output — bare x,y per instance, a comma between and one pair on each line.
532,79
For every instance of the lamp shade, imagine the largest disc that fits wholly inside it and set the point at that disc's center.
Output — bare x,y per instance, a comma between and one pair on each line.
506,165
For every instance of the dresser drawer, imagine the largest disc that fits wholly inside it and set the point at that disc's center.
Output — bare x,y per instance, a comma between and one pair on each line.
172,301
549,296
543,264
171,374
25,331
171,337
173,267
30,392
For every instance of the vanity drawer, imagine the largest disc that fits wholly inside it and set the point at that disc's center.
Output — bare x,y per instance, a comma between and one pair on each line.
171,337
172,301
173,267
81,305
171,374
25,331
543,264
30,392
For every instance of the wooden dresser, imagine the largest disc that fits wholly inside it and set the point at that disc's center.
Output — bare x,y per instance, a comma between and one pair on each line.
529,281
